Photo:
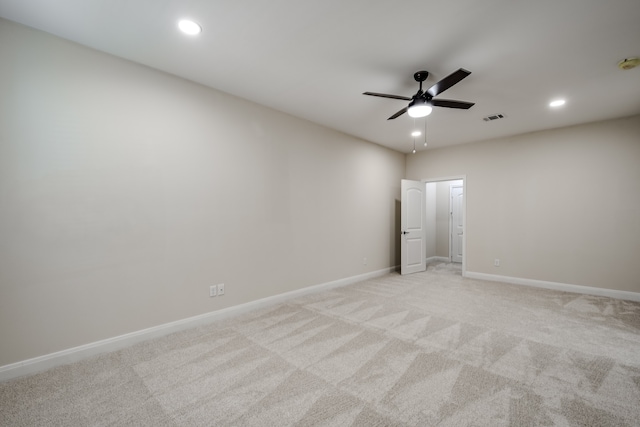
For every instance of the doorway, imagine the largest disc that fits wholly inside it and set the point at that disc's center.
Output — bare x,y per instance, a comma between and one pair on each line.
445,213
427,226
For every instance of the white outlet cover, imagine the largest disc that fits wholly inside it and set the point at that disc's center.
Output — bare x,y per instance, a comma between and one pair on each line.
221,289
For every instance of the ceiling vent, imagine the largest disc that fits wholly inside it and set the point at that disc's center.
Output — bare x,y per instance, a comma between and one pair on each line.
493,117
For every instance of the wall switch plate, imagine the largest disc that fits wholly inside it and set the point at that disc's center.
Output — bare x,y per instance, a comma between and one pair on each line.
221,289
496,262
213,290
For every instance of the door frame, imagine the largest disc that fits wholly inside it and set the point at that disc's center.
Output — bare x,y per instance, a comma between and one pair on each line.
451,227
464,214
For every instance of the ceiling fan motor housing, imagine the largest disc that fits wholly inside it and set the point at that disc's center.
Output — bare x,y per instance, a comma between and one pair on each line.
421,76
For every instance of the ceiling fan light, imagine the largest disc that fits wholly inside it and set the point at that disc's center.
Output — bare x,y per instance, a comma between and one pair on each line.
419,111
419,108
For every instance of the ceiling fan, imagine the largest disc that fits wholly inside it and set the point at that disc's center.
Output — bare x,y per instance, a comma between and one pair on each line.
422,102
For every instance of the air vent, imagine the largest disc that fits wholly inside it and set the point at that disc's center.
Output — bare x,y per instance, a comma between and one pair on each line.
493,117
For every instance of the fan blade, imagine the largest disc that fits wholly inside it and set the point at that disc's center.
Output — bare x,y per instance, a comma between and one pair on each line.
450,103
399,113
384,95
448,81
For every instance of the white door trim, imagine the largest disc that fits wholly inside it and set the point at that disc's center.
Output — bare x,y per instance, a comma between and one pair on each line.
452,220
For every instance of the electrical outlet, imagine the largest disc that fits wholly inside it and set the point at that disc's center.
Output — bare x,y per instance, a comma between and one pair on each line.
213,290
221,289
364,261
496,262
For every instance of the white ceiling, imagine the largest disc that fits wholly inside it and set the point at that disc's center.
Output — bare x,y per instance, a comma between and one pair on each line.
314,58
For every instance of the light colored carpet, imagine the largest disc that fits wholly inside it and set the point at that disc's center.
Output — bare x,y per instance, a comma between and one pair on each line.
427,349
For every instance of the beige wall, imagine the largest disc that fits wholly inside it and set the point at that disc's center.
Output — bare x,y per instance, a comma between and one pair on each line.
125,192
559,206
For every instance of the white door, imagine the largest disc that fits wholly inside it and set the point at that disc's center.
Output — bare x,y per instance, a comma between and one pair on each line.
412,224
456,223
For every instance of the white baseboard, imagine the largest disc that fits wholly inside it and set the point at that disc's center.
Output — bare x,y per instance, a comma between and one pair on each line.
41,363
611,293
438,259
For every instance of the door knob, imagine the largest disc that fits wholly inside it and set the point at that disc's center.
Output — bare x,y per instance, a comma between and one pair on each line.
405,232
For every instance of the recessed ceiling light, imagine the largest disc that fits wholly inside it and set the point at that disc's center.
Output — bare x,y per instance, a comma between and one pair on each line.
557,103
416,133
189,27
